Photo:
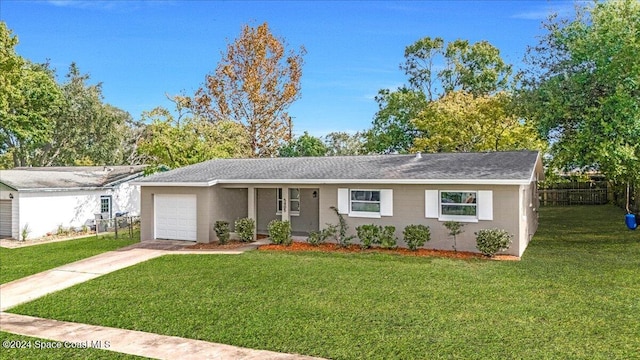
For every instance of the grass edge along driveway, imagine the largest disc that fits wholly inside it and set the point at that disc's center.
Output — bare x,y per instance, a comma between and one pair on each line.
574,295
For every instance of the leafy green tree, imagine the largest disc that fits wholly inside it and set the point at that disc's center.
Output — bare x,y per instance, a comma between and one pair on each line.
253,85
172,142
462,122
392,130
344,144
87,131
476,69
583,89
304,145
29,102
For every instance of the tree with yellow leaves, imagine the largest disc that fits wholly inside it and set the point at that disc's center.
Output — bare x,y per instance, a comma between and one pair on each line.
253,85
462,122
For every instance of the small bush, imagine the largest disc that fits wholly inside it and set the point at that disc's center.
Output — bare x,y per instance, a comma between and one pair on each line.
222,231
416,235
490,241
388,239
62,231
280,232
245,228
368,235
25,231
319,237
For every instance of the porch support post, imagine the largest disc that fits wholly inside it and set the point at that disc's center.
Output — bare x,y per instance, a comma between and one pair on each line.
285,204
251,207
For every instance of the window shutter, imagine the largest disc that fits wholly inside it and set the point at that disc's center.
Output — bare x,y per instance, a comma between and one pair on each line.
485,205
386,202
343,201
431,204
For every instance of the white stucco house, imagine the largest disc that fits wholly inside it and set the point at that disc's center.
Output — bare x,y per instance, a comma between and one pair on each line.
46,197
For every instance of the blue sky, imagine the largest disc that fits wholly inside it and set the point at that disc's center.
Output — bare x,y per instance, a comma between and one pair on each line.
142,50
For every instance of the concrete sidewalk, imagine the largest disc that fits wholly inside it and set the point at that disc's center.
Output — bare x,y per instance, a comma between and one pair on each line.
133,342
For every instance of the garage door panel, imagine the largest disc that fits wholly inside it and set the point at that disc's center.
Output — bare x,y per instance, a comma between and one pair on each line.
5,218
176,217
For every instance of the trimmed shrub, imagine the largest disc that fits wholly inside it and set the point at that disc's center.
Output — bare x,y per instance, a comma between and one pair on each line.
368,235
388,239
320,237
416,235
490,241
245,228
222,231
280,232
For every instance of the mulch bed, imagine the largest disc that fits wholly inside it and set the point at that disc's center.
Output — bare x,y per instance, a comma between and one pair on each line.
216,245
301,246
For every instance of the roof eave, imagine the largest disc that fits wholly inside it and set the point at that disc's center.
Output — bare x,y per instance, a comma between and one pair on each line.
344,181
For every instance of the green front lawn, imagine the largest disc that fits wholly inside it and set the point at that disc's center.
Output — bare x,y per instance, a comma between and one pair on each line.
575,294
20,262
25,347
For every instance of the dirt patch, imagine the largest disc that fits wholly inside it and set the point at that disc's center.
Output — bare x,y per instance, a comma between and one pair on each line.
301,246
217,246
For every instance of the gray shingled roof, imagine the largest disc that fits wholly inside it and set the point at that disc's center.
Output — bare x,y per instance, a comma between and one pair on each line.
491,166
68,177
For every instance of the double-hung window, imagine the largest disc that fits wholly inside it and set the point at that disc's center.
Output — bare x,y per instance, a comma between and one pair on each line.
365,201
368,203
459,205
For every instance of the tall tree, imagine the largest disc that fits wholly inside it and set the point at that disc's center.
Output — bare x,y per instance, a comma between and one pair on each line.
87,131
583,89
254,84
434,69
170,141
29,101
474,68
304,145
392,130
463,122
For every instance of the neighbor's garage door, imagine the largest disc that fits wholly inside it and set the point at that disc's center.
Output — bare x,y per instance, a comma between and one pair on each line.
5,218
175,217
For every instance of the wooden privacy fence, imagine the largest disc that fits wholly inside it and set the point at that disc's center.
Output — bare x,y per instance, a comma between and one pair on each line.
554,197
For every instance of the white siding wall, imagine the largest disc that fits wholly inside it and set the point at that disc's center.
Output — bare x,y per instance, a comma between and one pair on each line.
126,198
45,211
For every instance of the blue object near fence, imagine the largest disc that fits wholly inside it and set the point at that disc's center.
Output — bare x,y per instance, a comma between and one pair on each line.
630,219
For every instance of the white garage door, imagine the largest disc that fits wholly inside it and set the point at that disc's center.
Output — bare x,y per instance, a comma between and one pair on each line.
176,217
5,218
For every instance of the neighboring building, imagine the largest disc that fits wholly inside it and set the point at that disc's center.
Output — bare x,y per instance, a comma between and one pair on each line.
483,190
47,197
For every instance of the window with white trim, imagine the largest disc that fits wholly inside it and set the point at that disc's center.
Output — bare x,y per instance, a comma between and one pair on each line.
294,201
458,203
365,201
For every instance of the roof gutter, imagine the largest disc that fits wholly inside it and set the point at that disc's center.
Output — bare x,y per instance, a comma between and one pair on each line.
344,181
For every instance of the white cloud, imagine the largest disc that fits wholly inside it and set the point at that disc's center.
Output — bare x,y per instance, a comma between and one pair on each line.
542,13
